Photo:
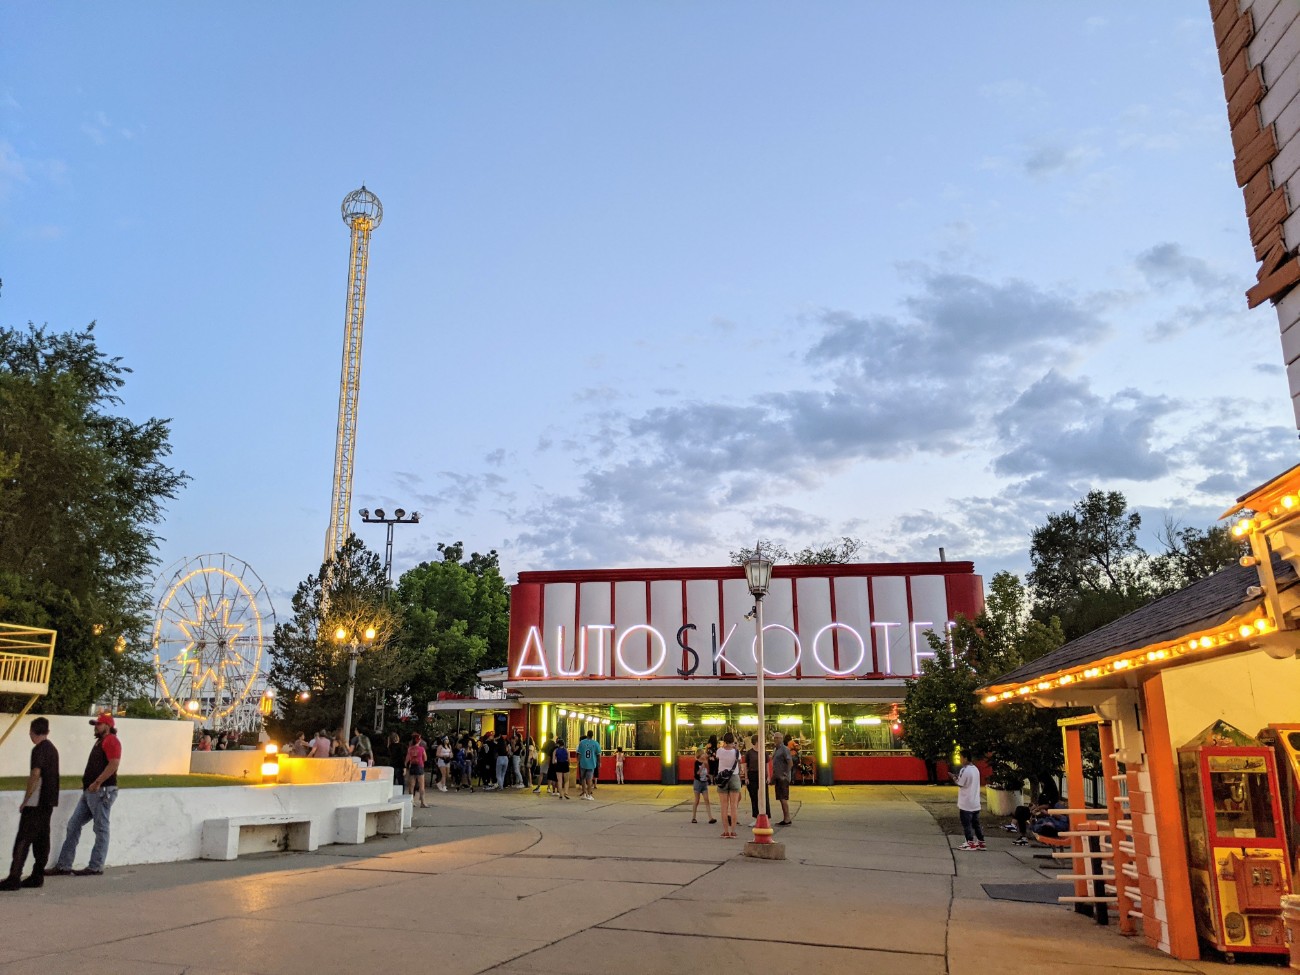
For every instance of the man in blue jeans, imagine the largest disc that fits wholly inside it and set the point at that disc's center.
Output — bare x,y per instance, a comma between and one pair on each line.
99,790
968,802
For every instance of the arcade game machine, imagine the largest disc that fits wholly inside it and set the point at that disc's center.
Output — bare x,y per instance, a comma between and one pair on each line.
1284,739
1236,841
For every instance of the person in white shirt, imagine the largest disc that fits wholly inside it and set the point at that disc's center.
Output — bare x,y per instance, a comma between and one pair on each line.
968,802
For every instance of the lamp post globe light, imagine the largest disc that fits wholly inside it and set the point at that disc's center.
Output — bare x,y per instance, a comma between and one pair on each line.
354,640
758,576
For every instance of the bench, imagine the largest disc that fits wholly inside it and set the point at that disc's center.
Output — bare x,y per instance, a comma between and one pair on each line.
355,823
225,839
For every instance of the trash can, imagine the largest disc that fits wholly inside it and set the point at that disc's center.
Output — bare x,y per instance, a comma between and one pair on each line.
1291,920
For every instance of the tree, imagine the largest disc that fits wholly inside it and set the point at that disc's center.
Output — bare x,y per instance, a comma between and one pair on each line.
830,553
1088,568
940,710
1019,740
309,665
80,491
455,621
1192,553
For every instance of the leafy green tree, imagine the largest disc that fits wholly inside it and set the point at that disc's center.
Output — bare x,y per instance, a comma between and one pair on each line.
81,489
309,664
1088,568
455,621
941,712
1193,553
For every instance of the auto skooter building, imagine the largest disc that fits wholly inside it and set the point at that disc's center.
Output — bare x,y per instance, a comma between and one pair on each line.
655,661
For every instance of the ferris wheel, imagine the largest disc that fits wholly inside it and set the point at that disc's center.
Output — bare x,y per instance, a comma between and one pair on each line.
211,622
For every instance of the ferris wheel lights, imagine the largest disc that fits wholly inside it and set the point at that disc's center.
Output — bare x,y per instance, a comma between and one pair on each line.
192,707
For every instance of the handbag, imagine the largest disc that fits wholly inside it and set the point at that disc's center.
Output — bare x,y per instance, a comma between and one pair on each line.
724,775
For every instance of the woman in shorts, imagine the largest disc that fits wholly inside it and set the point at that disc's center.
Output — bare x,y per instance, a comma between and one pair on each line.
728,777
416,759
560,760
700,785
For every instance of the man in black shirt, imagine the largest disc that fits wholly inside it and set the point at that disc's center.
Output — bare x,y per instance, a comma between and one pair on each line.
39,800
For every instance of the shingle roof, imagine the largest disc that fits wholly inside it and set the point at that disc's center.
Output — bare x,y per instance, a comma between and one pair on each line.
1202,605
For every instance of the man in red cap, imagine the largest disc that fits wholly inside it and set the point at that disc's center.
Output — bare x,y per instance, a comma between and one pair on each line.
99,790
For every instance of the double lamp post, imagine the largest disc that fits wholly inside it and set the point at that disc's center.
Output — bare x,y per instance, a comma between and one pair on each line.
354,640
758,576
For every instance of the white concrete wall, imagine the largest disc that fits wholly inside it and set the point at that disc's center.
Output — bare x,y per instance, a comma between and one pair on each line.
247,764
166,825
1249,691
148,747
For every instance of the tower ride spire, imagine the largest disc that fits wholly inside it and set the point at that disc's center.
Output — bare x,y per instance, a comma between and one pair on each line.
362,212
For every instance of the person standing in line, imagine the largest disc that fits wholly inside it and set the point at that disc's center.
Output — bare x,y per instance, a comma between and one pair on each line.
560,762
416,757
501,749
751,777
968,802
728,779
548,766
530,762
516,753
700,785
396,758
442,755
99,792
321,745
618,766
782,765
588,762
35,809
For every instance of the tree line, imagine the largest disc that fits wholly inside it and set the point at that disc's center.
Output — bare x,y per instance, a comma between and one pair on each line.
1087,568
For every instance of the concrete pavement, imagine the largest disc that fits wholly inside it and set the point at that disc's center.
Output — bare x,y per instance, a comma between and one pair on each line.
526,884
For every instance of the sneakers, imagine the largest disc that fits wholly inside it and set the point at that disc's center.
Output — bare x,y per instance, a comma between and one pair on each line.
33,881
87,872
10,883
969,845
1021,841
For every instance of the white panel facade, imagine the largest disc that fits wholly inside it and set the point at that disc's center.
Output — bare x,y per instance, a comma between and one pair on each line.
929,612
814,614
736,633
596,604
702,610
780,647
852,602
893,635
561,614
666,617
638,650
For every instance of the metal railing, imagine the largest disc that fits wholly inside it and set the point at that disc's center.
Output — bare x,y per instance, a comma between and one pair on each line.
26,654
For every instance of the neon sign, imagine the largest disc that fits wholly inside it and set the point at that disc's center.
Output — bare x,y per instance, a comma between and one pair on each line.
601,650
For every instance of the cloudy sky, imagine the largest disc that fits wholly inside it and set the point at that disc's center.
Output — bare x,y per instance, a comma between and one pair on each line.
653,279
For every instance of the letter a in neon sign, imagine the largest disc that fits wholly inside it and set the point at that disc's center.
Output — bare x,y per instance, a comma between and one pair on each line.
532,642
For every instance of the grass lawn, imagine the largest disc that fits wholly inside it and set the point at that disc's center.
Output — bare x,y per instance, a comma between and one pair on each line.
16,783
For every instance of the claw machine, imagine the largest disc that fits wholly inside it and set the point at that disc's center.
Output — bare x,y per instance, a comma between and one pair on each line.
1236,840
1284,739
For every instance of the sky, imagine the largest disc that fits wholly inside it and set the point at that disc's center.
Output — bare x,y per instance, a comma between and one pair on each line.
653,279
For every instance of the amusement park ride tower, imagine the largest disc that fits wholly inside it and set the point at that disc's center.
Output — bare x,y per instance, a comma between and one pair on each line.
362,212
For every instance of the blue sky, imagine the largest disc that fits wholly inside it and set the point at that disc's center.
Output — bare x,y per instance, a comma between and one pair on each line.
653,279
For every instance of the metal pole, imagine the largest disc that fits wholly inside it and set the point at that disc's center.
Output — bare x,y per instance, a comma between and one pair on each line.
354,651
388,554
762,713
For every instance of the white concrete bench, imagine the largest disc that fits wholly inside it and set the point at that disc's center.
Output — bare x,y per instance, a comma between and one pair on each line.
225,839
356,823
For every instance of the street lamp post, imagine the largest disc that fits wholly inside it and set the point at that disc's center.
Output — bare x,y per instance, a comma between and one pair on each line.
354,641
400,517
758,575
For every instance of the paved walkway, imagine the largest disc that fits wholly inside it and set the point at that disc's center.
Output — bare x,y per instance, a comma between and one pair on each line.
519,884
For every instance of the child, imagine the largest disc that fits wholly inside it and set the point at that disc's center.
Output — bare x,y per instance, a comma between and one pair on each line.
618,765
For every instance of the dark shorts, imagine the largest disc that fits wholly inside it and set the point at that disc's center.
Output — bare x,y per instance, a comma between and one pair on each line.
781,788
561,768
415,770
